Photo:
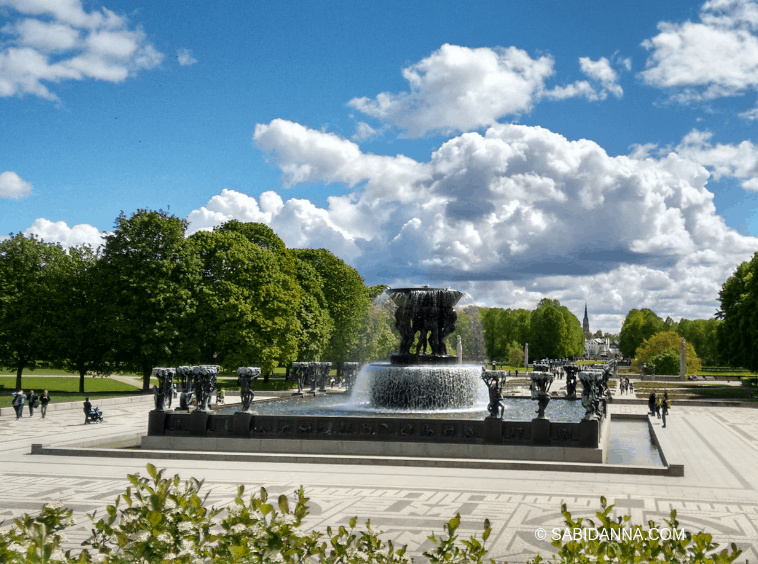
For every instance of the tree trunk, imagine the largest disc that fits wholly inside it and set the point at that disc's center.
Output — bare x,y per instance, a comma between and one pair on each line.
81,380
19,371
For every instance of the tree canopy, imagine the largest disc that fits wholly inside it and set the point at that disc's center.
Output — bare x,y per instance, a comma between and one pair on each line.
667,341
738,334
26,283
151,273
554,332
639,324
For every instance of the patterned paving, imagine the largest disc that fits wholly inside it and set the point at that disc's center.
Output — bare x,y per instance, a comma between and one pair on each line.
717,494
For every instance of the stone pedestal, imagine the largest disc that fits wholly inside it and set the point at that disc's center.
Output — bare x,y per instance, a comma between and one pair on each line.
198,426
493,431
541,431
589,433
242,424
156,422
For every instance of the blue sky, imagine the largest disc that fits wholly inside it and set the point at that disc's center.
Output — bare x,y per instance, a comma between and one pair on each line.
582,151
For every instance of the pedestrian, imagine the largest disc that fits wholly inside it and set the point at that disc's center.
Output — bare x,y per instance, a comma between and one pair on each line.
44,400
18,402
651,403
87,410
665,407
31,398
658,408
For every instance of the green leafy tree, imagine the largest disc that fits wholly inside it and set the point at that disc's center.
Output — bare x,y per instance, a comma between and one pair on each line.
26,266
379,338
316,326
470,327
151,273
738,334
666,362
495,333
555,332
245,312
515,354
79,297
376,291
346,298
638,326
703,334
667,341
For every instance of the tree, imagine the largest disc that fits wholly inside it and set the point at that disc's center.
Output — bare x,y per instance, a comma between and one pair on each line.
244,312
316,326
666,362
376,290
151,275
25,305
738,334
346,298
667,341
495,332
515,354
638,326
378,338
703,334
264,237
79,297
555,332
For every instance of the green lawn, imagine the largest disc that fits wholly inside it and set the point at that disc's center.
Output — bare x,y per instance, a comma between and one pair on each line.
693,390
66,389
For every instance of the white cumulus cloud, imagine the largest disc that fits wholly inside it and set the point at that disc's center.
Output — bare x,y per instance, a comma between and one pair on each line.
13,186
738,161
60,232
520,209
49,42
459,89
711,58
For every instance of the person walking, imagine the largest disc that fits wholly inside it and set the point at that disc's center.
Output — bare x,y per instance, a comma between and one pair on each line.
18,402
651,403
31,398
44,400
87,410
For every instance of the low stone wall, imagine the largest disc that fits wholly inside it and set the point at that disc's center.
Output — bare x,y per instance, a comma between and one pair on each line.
538,432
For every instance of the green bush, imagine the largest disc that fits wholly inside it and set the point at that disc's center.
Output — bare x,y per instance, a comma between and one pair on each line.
164,521
666,362
749,380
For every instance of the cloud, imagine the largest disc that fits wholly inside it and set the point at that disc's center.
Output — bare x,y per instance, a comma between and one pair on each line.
521,207
60,232
738,161
13,186
604,81
363,131
712,58
461,89
185,57
50,42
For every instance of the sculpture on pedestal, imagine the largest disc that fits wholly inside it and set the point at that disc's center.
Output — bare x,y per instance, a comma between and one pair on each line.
205,384
163,390
571,371
542,379
245,377
187,380
494,381
593,399
350,371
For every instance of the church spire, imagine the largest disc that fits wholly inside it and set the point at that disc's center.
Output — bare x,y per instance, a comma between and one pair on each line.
586,321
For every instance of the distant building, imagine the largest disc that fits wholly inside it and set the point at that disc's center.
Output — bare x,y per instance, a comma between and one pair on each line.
597,348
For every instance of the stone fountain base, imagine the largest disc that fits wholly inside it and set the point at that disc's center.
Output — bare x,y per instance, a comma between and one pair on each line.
409,359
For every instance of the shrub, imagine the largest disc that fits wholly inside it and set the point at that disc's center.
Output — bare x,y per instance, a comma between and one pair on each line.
666,362
165,521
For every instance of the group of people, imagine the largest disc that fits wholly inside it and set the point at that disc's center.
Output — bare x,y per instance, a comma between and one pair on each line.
659,406
33,400
625,386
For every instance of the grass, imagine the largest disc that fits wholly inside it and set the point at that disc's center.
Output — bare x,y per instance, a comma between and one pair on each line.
274,384
66,389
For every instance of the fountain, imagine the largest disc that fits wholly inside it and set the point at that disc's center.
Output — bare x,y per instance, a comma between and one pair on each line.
421,403
419,380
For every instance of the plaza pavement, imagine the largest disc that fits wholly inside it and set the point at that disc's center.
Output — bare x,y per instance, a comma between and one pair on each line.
718,494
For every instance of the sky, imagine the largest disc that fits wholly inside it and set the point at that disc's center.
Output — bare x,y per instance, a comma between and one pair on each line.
597,152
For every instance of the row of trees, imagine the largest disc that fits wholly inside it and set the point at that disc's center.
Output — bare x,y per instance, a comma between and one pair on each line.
234,296
703,334
551,330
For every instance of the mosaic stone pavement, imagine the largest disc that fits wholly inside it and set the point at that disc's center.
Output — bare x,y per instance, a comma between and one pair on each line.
719,447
